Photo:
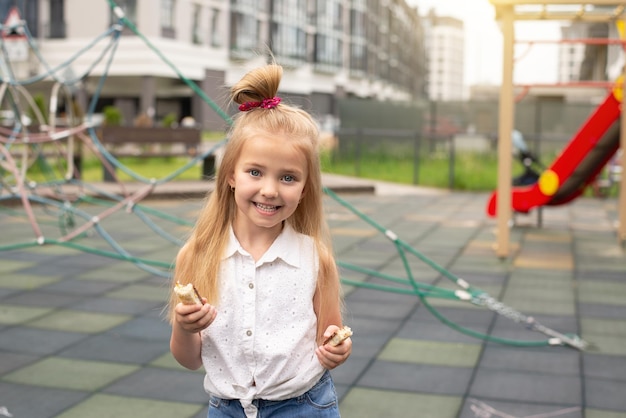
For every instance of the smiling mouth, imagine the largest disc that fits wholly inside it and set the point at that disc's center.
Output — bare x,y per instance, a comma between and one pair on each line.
266,208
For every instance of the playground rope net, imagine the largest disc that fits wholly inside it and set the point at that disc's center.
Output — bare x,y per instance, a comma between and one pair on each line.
62,194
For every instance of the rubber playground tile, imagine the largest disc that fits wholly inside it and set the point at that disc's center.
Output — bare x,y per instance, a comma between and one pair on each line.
79,321
605,394
17,280
439,332
72,286
101,405
146,328
32,401
545,261
119,306
37,341
13,314
515,386
595,310
12,361
115,348
422,378
474,407
601,366
63,373
602,292
44,299
116,272
606,344
431,352
367,402
353,232
348,375
142,292
602,413
9,266
552,360
182,386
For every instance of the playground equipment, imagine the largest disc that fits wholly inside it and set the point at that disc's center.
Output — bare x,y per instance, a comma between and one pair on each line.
505,200
579,164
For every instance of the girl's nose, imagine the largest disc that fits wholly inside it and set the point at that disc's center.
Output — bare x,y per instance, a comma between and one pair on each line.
270,189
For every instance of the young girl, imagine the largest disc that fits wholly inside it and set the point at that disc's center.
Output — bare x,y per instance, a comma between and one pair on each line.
260,255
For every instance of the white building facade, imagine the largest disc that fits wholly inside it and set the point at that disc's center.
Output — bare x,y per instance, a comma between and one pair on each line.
445,46
329,48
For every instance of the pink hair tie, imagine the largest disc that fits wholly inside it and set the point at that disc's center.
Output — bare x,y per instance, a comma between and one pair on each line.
265,104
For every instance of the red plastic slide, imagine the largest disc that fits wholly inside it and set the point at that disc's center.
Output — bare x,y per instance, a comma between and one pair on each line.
577,166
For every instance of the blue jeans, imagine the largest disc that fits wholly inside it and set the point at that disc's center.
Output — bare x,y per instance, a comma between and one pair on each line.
319,402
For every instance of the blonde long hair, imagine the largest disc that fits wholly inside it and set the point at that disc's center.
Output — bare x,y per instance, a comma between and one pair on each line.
199,260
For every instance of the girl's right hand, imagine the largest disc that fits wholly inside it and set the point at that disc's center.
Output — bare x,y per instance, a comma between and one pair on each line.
194,318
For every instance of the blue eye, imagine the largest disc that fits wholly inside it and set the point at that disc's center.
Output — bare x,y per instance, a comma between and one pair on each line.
289,178
255,173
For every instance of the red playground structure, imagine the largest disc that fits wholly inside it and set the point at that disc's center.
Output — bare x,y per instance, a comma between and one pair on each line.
577,167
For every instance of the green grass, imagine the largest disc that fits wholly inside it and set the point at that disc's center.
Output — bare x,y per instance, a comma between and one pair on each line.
471,171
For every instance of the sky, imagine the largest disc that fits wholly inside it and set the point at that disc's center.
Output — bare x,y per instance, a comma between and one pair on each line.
483,43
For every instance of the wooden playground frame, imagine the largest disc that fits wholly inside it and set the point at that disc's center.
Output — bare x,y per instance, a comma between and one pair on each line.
507,13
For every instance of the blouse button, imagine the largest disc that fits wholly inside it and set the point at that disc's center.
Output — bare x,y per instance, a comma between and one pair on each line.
248,333
251,285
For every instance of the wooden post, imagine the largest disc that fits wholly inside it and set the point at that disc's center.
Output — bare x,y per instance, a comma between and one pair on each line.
505,128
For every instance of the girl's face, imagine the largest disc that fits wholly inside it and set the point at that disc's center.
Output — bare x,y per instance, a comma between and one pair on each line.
269,180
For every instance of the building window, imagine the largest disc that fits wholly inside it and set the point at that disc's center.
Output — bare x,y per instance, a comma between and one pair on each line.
167,19
216,33
196,30
244,34
288,42
327,50
288,29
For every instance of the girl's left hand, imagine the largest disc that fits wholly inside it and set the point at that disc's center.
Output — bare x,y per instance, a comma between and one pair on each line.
331,357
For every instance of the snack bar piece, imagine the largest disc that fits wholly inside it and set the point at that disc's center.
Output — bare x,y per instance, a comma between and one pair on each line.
187,294
339,336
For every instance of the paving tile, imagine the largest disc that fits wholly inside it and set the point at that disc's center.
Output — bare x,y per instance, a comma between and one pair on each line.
183,386
36,401
70,374
101,405
602,366
141,292
423,378
526,387
152,329
605,393
473,408
18,280
13,315
44,299
590,310
79,321
365,402
80,287
554,360
119,272
602,413
12,361
37,341
116,348
431,352
605,292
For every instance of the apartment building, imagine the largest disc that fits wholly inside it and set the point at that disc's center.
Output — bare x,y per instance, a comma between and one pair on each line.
330,49
445,45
